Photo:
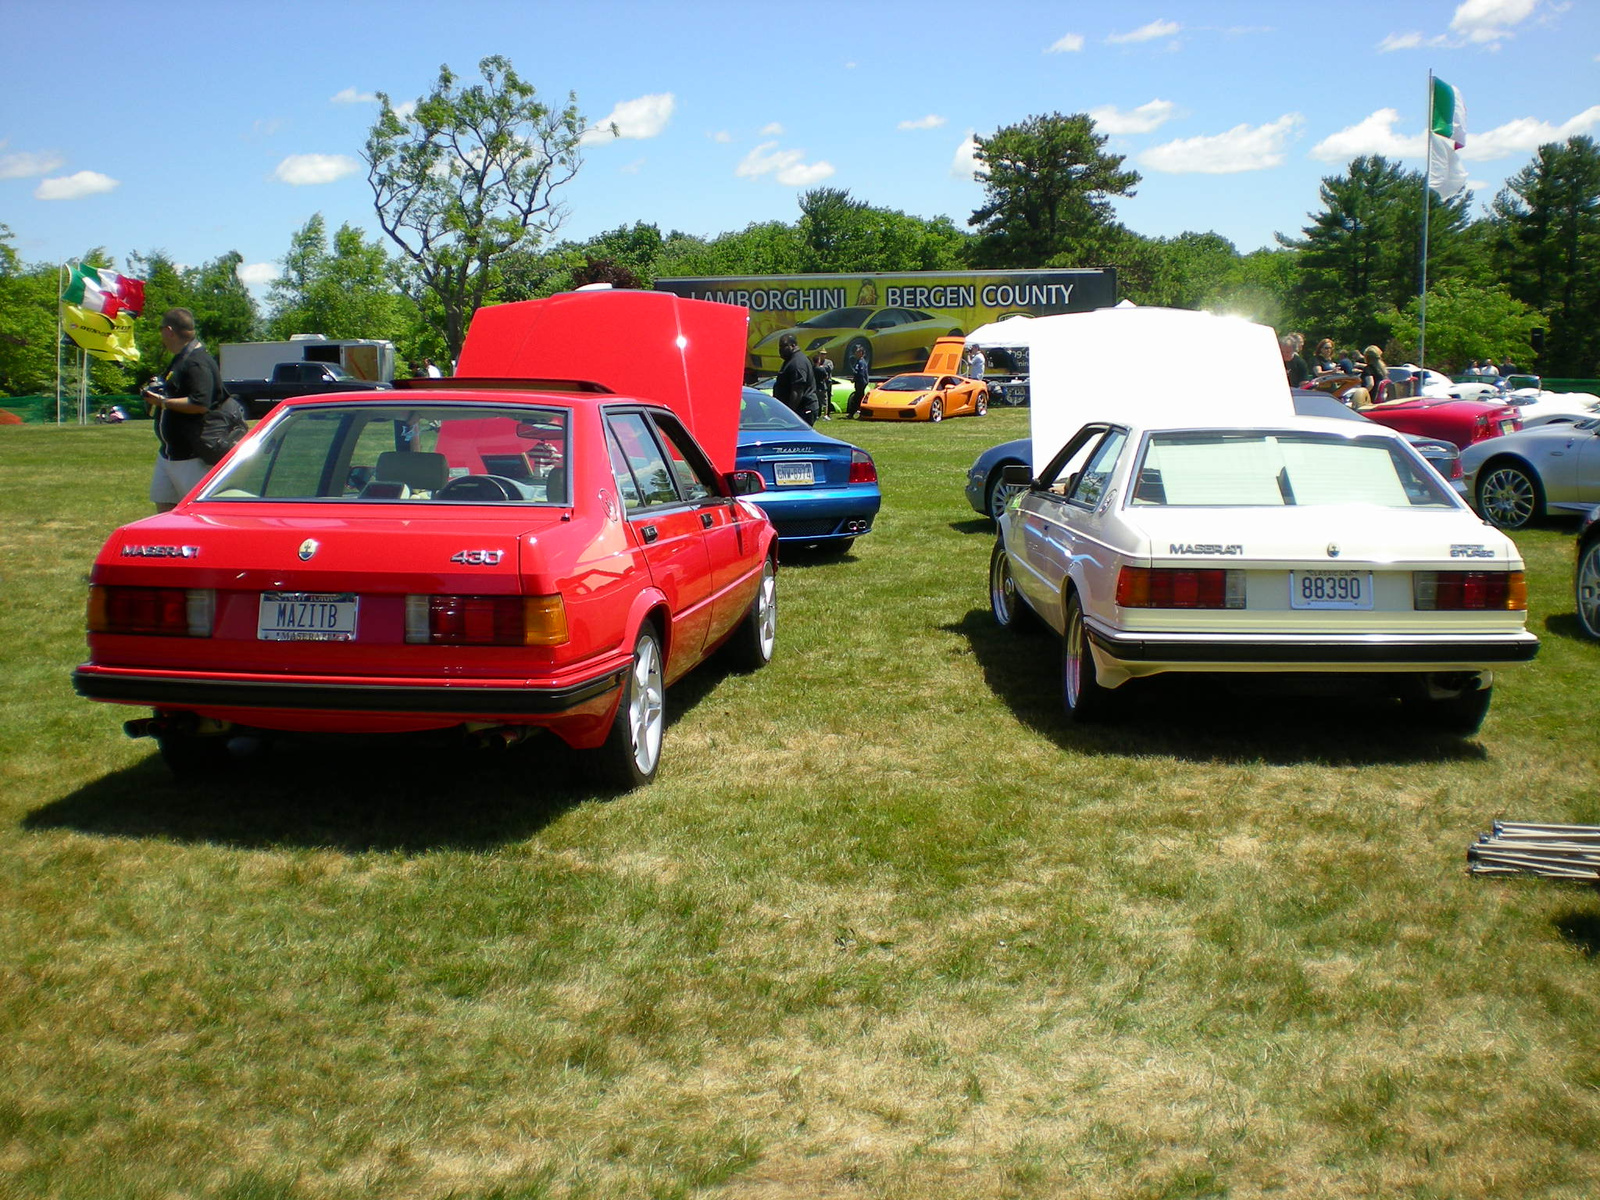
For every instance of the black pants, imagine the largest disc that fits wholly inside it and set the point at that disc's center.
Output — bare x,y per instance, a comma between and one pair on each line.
856,397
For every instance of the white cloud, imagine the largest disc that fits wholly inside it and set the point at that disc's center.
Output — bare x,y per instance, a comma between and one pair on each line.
928,122
1242,148
405,110
965,163
1526,134
351,96
23,165
788,167
633,167
265,127
1069,43
1399,41
850,66
1374,135
75,187
302,169
1145,33
772,129
256,274
1110,119
722,136
1485,22
642,118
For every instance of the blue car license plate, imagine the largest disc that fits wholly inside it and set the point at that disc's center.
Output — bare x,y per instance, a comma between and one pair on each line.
790,474
307,617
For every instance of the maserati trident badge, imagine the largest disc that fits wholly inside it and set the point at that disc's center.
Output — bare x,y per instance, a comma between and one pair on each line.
307,549
1333,550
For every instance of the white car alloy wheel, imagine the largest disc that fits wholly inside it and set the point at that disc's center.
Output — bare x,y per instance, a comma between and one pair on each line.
1587,587
1081,693
936,409
1003,598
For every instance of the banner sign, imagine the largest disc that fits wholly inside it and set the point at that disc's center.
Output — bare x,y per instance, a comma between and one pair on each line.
894,319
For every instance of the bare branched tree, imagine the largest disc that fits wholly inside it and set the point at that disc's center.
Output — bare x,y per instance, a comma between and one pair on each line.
467,177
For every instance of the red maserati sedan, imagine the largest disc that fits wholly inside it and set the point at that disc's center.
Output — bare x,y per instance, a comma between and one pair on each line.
545,542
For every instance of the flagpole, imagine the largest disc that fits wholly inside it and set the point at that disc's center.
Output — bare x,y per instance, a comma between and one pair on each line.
1427,165
61,290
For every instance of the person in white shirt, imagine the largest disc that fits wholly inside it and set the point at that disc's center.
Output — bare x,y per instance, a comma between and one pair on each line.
975,363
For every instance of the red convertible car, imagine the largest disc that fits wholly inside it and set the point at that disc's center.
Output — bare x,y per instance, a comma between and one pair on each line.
1461,422
545,543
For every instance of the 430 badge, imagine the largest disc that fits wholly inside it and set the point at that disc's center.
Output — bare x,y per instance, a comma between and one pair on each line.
478,558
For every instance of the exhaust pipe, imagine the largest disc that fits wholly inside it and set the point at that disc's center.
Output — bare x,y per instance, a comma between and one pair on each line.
498,739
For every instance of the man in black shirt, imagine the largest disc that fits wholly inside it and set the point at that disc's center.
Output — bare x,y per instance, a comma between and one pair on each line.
1293,365
190,387
796,381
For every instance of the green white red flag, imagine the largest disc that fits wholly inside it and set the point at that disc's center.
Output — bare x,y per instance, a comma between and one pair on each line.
97,290
1447,134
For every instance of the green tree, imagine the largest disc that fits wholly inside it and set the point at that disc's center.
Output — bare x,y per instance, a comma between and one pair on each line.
1048,187
27,323
351,291
839,233
1466,321
468,178
1361,256
1187,271
760,248
1548,225
224,310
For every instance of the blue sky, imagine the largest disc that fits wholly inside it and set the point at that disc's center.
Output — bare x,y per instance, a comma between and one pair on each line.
138,128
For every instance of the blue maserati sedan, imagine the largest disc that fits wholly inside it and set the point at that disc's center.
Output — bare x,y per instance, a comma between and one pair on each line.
819,490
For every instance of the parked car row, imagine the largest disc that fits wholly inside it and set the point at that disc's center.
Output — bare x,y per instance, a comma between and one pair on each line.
550,539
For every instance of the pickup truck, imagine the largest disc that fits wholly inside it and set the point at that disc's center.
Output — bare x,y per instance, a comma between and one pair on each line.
295,379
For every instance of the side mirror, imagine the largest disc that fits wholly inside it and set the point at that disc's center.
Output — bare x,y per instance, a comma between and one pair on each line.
744,483
1014,476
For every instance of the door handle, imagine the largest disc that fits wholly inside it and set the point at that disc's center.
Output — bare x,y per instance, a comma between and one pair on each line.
649,533
706,520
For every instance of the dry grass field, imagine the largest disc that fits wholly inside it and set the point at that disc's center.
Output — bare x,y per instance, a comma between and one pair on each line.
886,926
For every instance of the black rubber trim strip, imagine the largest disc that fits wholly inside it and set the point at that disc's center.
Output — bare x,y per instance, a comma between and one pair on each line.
1137,649
177,693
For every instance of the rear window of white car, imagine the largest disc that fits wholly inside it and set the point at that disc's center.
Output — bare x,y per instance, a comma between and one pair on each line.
1264,469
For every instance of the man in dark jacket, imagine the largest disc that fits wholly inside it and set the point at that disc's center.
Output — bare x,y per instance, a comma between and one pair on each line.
190,387
796,383
858,376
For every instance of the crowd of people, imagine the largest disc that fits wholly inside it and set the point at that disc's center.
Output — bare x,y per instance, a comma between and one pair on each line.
1368,365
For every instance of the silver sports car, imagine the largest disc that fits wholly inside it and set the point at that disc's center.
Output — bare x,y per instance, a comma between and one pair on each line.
1518,477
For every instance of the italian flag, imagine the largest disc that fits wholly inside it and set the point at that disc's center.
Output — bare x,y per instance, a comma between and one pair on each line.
1447,134
97,290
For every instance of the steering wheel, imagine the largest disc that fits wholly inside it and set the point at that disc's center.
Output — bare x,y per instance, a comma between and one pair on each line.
486,488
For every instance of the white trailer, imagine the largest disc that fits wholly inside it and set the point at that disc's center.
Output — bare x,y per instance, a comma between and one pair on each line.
364,358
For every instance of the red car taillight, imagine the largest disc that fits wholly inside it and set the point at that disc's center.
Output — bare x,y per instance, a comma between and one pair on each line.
862,468
1179,587
486,620
162,612
1487,426
1445,591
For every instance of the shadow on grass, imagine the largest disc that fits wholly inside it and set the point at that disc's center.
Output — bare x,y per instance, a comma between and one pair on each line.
1567,625
975,525
401,792
815,554
1199,718
1582,930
